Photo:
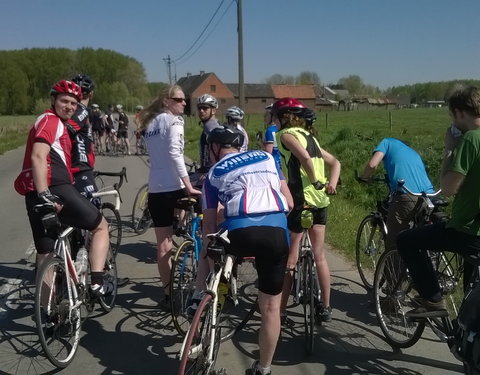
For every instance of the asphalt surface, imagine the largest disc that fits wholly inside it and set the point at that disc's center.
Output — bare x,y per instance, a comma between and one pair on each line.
137,337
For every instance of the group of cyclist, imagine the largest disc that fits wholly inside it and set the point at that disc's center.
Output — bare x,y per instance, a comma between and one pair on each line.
258,195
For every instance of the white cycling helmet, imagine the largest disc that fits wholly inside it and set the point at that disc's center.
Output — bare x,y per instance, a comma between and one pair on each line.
95,106
207,99
139,108
234,113
119,107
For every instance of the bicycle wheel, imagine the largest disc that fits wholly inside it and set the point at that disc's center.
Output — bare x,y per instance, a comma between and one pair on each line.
241,302
369,246
141,219
194,358
182,285
114,225
308,286
58,325
108,302
393,296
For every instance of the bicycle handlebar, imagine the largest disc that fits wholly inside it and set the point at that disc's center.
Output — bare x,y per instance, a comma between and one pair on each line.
401,185
370,179
122,174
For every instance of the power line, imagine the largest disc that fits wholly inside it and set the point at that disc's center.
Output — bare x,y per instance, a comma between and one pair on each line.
203,31
208,35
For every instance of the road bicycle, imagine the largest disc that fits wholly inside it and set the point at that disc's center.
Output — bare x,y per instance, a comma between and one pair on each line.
184,263
214,322
394,293
371,236
110,211
306,285
62,295
141,218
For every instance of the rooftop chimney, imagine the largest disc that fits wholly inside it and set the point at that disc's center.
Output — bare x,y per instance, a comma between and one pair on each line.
202,72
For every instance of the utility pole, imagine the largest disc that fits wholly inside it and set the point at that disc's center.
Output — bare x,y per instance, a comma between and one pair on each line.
168,61
241,83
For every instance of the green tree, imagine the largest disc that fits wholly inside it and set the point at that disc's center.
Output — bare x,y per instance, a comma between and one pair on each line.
308,78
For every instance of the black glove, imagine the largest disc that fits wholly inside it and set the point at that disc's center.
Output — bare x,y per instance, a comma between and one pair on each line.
50,198
318,185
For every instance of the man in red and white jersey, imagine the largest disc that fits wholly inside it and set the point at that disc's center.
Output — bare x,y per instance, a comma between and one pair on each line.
46,178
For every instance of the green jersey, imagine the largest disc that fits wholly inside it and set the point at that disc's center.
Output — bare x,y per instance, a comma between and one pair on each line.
466,204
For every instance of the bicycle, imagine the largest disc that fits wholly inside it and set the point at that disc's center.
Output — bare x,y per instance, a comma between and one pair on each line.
141,218
200,346
62,294
371,237
307,287
184,263
394,292
111,211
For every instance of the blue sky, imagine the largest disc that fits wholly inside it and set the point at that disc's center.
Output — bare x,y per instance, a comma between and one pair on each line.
387,43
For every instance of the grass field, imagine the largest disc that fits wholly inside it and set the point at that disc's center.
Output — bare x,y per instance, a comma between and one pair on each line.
350,136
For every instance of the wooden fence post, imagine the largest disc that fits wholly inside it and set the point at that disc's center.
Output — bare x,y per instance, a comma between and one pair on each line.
326,120
390,119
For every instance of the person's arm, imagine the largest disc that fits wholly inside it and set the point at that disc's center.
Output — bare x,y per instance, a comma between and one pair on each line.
335,167
372,166
450,181
301,154
268,147
176,153
286,192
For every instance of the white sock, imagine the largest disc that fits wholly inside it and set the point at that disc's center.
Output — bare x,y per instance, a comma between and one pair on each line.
263,370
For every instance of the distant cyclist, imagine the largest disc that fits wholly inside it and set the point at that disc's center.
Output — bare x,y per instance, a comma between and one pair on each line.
138,131
122,133
234,116
97,119
250,187
269,142
207,107
46,178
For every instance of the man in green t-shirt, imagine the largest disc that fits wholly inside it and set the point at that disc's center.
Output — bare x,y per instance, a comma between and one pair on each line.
460,176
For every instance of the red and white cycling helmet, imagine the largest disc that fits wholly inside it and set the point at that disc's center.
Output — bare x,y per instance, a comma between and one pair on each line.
67,87
288,105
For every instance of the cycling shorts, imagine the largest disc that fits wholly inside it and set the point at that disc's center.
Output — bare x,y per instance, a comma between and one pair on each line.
77,212
162,205
269,246
294,222
122,134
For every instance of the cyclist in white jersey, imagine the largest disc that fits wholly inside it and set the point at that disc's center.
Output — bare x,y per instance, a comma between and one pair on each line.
256,198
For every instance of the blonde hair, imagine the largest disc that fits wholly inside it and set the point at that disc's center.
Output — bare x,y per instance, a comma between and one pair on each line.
293,121
157,106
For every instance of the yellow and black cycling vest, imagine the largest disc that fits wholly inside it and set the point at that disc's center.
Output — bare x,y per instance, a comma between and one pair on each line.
300,186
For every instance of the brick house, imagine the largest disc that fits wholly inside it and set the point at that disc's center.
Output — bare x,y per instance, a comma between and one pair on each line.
195,86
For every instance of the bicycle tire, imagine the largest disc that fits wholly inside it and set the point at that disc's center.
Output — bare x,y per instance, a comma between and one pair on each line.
393,295
236,314
141,219
198,339
308,285
108,302
369,246
59,332
182,285
114,225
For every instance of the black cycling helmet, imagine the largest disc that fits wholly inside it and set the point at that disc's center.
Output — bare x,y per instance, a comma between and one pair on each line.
85,82
309,116
226,136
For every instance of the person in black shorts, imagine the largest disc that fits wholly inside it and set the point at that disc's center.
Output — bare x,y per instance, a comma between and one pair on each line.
122,134
46,178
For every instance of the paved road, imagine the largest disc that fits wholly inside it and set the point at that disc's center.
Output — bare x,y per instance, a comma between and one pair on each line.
138,338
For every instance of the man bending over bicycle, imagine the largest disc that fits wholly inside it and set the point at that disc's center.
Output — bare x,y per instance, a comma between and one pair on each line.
250,187
46,178
401,162
459,176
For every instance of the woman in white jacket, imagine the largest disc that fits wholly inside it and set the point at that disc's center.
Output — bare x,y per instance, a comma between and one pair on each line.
168,178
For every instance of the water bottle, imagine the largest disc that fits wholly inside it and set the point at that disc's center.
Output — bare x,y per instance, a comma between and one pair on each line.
306,219
222,293
81,263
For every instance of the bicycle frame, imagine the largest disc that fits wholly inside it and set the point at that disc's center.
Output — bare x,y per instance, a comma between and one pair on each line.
212,286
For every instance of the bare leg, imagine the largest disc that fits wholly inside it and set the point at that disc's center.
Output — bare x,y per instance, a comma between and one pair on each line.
317,236
295,239
270,326
99,246
164,247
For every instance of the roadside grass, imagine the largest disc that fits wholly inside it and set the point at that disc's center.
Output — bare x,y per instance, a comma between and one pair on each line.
350,136
13,131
